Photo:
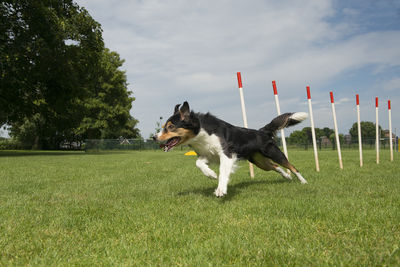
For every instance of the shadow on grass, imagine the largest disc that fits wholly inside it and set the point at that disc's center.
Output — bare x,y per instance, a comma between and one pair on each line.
233,189
26,153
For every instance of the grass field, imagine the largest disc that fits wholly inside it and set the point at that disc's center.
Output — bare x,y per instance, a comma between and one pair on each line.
155,208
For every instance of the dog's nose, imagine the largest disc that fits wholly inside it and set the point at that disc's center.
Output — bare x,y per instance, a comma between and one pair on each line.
155,137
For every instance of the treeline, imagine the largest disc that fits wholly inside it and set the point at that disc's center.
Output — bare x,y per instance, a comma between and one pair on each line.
59,83
304,136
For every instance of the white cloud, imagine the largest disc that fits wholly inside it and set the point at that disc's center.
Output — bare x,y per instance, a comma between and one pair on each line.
342,100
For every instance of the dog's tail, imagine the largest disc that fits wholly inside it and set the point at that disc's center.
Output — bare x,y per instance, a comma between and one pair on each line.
283,121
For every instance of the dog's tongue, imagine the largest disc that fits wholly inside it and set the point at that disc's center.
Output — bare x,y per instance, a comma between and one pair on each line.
170,144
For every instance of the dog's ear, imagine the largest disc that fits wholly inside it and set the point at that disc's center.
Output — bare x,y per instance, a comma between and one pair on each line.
176,110
185,111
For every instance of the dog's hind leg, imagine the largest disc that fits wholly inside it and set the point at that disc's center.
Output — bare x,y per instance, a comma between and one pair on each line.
266,164
289,166
201,163
277,156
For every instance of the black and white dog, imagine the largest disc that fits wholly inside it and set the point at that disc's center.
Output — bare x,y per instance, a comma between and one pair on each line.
216,141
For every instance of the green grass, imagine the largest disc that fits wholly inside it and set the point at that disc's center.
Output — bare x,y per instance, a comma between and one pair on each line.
155,208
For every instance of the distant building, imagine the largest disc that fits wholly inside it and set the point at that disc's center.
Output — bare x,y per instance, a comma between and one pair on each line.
325,142
347,139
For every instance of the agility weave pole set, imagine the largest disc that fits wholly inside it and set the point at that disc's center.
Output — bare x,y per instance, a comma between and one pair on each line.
377,138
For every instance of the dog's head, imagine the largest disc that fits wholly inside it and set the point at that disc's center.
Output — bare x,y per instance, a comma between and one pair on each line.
182,126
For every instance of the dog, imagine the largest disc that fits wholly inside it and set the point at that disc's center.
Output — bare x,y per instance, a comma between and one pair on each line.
217,141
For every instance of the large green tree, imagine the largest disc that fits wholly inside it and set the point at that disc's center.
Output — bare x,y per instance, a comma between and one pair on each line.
107,108
40,69
56,76
368,131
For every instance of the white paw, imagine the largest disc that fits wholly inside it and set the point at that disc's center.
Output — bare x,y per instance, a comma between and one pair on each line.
301,178
219,192
212,175
287,176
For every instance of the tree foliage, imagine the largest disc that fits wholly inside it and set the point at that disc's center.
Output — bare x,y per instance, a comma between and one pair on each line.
58,82
107,108
368,130
305,136
332,138
297,137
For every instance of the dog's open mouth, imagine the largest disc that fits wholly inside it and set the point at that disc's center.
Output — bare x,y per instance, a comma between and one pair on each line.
170,143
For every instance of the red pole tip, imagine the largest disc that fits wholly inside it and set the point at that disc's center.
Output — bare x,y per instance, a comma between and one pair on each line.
274,87
332,100
389,107
376,102
357,100
308,92
239,77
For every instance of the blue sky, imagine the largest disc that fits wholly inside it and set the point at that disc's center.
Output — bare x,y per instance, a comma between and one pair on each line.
177,50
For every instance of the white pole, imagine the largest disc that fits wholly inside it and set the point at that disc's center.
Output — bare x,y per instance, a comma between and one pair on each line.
390,131
313,129
359,129
278,109
336,132
377,131
239,77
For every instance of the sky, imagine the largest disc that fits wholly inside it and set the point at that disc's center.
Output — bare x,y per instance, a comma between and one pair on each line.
177,51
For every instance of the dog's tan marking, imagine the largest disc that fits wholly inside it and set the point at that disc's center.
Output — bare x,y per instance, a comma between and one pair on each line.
184,134
263,162
167,135
289,166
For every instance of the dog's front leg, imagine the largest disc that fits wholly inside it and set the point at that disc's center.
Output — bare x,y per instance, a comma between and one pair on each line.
201,163
225,169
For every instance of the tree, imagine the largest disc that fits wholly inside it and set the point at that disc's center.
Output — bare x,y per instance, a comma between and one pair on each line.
368,131
297,137
318,133
40,70
305,136
56,75
42,74
327,132
107,108
332,138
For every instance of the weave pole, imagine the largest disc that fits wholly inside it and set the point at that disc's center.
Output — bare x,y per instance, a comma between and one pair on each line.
278,109
377,130
390,131
314,140
359,129
239,78
336,131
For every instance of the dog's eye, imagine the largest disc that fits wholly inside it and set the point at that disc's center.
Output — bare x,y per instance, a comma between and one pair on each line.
170,127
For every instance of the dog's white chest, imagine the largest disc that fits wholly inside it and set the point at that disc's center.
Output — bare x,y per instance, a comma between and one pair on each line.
206,145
